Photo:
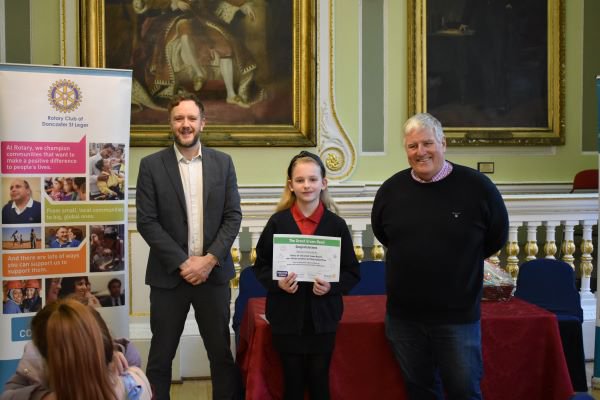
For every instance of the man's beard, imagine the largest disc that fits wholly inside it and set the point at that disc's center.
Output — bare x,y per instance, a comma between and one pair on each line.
187,145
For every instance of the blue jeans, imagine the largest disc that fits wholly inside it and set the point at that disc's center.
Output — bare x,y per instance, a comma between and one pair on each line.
423,350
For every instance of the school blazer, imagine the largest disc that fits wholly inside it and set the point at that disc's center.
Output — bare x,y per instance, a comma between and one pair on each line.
285,311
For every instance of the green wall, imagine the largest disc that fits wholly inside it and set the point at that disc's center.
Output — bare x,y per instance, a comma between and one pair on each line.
45,17
512,165
17,28
591,69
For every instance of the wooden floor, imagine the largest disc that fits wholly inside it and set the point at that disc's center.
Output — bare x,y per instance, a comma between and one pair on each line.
589,368
192,389
201,389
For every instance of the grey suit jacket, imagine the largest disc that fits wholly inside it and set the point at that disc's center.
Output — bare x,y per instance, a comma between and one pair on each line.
162,215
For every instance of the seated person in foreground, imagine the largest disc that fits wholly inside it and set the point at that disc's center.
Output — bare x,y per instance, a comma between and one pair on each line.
72,358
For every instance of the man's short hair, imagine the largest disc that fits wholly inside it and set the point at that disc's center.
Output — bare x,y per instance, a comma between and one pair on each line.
178,98
424,121
114,280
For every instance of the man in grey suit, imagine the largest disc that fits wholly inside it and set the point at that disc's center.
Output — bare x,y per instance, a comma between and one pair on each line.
188,211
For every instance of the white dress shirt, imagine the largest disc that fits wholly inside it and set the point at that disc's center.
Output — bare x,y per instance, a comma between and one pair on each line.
191,178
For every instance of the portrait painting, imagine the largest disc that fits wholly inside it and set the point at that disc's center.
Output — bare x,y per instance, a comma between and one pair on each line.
490,71
251,63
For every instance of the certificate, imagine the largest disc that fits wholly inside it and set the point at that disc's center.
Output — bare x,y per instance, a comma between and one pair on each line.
308,256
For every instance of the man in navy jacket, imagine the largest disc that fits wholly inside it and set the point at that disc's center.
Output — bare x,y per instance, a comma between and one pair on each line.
22,209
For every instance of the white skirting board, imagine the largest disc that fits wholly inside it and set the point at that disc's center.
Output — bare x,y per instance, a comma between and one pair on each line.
588,303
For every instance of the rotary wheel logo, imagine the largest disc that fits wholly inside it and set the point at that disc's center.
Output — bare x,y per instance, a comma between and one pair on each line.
64,95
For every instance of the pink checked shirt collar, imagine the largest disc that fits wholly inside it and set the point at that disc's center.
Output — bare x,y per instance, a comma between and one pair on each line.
444,172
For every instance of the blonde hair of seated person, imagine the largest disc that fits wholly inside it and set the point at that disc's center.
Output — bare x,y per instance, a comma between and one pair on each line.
77,351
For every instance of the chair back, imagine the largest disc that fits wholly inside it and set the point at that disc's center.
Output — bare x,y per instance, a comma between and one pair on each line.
248,288
550,284
582,396
372,279
585,180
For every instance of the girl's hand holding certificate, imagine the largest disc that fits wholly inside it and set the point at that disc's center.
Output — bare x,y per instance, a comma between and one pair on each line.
321,287
289,283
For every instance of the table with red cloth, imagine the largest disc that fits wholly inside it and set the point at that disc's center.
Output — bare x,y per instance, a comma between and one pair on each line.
522,354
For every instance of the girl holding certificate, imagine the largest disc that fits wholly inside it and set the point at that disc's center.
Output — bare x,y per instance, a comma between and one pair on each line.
304,315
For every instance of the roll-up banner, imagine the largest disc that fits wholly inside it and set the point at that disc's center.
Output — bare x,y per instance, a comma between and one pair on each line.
64,156
596,374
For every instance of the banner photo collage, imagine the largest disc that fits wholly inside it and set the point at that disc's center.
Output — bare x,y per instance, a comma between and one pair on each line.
63,155
596,374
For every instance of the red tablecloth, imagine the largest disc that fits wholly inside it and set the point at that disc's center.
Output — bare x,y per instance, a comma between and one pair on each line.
522,354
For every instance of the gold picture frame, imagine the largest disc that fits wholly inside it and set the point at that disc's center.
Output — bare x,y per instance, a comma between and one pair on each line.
282,111
491,80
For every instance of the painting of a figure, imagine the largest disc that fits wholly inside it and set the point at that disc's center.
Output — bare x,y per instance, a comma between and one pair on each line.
237,55
487,62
